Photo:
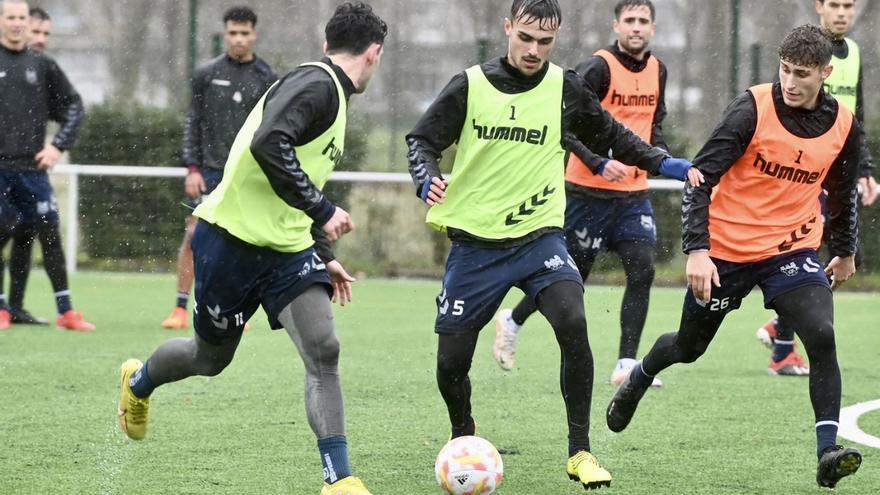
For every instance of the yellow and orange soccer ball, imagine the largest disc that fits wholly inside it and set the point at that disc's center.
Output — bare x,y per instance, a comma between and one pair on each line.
469,466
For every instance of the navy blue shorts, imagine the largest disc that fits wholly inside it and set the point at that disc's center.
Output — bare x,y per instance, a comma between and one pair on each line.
775,276
593,224
477,279
233,278
27,199
212,177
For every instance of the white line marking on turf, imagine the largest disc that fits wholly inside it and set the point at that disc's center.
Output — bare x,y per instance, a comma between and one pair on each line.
849,423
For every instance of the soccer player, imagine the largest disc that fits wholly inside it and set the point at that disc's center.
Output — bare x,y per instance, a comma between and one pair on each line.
33,90
40,29
253,246
630,82
504,206
223,93
845,85
775,149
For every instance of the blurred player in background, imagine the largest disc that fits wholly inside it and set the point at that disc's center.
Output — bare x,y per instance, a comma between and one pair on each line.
223,93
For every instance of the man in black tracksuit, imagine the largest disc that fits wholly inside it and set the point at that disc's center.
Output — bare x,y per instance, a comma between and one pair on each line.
33,90
223,93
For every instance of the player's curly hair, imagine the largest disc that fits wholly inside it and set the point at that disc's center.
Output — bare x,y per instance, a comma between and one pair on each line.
353,28
548,13
808,45
240,14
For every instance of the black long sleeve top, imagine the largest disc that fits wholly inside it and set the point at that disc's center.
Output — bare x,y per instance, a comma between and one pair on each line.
731,138
224,91
301,107
33,91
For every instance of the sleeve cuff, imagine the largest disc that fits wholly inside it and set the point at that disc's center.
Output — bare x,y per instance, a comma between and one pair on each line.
193,168
322,212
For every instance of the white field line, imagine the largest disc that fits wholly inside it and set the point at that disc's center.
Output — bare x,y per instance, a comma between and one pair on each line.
849,423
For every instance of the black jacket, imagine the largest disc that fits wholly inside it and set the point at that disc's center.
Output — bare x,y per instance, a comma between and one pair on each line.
33,91
224,91
301,107
731,138
585,124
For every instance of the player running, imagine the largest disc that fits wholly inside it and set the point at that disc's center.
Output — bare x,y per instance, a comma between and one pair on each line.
630,82
504,207
253,246
845,85
768,160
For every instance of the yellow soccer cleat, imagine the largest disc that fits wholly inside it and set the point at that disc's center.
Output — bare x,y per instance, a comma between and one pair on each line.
584,467
134,412
346,486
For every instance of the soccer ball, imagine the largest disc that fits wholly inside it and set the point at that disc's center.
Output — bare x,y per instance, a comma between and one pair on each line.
469,466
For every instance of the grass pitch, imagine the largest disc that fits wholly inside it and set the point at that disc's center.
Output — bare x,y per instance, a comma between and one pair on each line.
720,426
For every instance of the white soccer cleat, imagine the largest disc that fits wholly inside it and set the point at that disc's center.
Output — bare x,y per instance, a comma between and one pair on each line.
506,334
622,370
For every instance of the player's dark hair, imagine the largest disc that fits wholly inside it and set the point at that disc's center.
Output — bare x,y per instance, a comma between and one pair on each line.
631,4
353,28
240,14
546,12
808,45
40,14
823,1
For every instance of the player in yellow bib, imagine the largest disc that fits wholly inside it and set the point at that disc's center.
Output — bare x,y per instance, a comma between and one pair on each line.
255,241
503,208
615,216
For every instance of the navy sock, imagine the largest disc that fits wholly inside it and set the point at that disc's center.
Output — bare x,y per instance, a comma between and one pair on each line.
62,301
182,299
781,349
334,458
140,382
826,435
639,378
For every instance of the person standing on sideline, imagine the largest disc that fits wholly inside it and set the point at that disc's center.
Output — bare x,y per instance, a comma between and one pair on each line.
254,241
756,221
617,216
513,118
845,85
39,30
34,90
223,93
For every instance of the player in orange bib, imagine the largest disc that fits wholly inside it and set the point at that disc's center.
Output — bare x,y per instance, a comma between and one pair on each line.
756,222
612,215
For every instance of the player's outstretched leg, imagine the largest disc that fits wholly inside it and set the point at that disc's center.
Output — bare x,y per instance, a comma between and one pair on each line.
309,322
810,310
133,411
698,326
562,304
173,360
